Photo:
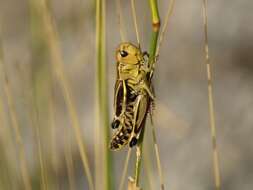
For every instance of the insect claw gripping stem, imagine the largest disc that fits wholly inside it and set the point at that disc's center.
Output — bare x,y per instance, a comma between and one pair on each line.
156,58
145,53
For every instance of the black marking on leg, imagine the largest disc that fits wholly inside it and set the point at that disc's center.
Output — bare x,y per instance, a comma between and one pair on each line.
115,124
129,130
114,146
133,142
121,142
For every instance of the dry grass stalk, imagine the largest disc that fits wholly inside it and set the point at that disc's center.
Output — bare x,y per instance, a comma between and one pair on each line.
156,27
166,23
52,124
54,155
135,21
157,155
124,173
132,184
41,161
15,125
14,121
6,139
147,167
69,159
35,125
120,20
216,165
57,66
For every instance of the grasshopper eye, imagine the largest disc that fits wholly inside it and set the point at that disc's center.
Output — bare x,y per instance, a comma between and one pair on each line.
123,53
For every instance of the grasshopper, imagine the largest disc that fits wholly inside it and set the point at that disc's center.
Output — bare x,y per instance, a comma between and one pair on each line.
133,95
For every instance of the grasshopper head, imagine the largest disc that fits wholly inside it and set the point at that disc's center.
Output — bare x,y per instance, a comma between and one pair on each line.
128,53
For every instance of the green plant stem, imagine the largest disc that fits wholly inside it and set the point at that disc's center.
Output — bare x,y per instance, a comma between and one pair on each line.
152,48
102,97
155,32
138,159
152,56
154,12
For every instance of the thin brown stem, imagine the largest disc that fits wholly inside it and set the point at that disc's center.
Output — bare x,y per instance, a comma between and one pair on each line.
120,20
58,69
135,21
15,125
14,121
165,25
157,154
69,159
124,173
53,127
216,164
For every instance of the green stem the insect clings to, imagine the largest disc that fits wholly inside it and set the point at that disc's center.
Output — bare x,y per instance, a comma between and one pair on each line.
152,54
138,159
155,30
102,101
152,48
154,11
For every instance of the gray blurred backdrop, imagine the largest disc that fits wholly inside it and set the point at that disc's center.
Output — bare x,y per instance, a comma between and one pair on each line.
181,115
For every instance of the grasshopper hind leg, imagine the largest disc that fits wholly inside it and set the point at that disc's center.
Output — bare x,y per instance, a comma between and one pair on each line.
121,137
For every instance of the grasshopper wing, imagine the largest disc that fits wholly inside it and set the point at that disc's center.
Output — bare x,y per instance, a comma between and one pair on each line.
140,113
118,97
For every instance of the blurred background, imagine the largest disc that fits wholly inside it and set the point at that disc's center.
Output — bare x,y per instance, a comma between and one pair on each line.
35,104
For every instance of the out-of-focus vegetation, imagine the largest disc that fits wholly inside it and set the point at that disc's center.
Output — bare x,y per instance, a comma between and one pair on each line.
47,112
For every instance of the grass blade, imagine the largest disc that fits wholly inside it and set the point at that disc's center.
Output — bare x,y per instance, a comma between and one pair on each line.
124,173
216,163
58,69
102,98
15,125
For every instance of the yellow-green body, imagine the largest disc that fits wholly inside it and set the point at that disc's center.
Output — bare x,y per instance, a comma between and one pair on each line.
132,95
